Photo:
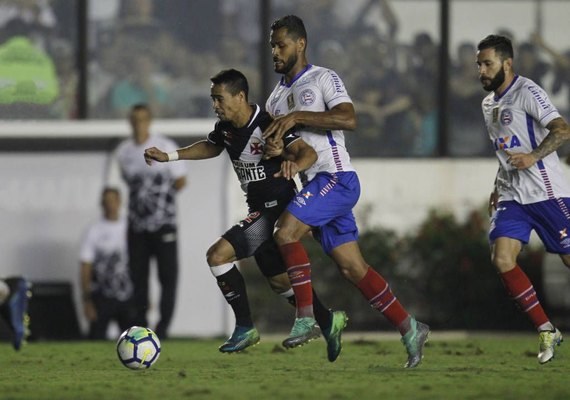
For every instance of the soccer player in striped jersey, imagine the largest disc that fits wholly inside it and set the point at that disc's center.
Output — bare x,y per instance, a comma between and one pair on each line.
531,191
269,187
314,100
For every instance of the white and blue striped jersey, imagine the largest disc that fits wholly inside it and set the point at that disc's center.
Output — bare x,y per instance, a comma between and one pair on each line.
315,89
516,121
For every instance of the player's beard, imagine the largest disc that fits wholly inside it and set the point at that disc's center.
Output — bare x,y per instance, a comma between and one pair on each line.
496,81
287,65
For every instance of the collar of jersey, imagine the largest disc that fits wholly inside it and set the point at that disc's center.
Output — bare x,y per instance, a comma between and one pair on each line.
256,110
497,98
296,76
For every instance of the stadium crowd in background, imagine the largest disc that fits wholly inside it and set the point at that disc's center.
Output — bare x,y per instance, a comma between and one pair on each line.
141,52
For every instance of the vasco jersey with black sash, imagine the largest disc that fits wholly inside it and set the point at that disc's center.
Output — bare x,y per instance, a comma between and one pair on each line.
152,196
245,148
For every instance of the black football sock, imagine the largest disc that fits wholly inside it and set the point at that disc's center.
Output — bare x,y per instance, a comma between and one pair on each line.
232,286
322,314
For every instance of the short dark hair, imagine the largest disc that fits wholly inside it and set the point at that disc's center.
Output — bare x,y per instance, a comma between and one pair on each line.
110,189
501,44
234,81
294,25
141,106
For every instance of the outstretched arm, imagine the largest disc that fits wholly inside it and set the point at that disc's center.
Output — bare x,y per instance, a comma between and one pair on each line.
559,133
341,116
298,156
198,151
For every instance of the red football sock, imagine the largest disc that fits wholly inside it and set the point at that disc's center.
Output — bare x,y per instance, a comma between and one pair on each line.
521,290
378,293
299,272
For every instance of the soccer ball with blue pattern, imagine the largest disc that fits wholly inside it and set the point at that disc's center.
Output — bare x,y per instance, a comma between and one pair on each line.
138,347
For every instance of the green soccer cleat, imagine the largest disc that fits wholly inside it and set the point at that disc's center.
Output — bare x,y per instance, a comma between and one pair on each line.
546,342
304,330
414,341
333,334
241,338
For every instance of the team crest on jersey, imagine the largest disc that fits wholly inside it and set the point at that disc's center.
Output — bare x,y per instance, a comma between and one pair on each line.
506,117
507,142
307,97
290,101
255,147
563,233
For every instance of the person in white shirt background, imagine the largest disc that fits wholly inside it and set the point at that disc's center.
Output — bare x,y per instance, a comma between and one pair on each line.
152,227
105,279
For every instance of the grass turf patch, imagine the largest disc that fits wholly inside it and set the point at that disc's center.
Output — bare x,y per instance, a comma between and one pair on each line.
486,368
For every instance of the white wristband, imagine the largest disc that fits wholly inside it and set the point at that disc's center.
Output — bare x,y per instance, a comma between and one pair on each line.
173,155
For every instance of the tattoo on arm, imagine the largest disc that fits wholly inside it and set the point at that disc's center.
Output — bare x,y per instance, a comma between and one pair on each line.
559,133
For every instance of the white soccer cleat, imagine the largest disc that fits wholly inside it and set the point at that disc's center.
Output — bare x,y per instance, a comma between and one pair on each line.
546,342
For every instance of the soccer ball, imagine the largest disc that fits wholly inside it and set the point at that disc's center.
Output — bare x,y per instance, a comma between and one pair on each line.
138,347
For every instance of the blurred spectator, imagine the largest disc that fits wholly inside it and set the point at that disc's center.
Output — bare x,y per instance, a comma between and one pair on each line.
105,280
186,19
142,84
28,75
529,63
38,12
384,110
240,22
152,227
101,80
235,56
36,16
561,63
66,104
423,61
139,62
375,14
425,124
467,134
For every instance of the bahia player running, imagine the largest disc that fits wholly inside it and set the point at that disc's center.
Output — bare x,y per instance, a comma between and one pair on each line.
531,190
269,187
315,100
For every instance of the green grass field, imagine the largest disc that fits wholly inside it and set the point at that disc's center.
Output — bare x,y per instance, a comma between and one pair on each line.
475,368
